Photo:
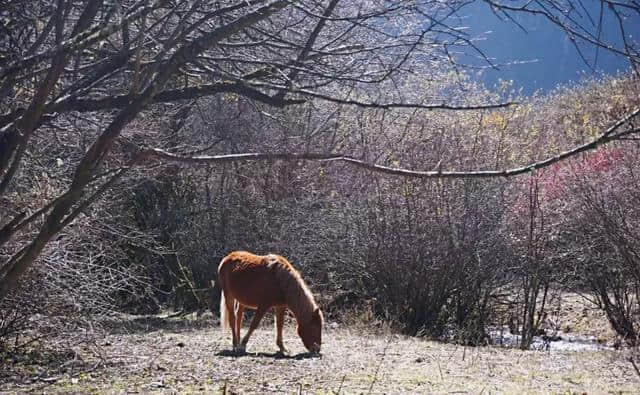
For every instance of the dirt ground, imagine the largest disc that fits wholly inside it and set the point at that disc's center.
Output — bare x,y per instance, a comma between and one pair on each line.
174,355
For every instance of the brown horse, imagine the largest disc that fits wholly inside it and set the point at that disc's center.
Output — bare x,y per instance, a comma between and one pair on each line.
261,282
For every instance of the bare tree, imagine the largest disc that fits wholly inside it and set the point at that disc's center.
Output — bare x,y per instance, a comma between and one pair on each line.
584,23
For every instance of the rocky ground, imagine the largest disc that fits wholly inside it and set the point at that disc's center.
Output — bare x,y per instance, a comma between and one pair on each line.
178,355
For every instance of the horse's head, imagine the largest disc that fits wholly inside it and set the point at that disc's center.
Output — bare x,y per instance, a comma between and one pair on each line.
311,332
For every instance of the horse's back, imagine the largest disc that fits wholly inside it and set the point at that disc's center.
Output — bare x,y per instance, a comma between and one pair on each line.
251,279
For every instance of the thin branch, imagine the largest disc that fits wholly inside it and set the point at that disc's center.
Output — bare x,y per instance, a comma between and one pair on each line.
67,220
83,39
386,106
391,105
98,193
590,38
170,95
309,44
635,366
7,230
607,136
71,103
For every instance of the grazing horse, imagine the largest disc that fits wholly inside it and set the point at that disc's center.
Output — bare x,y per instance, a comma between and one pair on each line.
262,282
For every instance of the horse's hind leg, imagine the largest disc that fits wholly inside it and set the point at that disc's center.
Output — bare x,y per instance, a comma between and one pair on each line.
254,324
231,314
237,325
279,313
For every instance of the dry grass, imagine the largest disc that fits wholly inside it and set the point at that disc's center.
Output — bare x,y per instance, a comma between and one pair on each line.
580,317
157,355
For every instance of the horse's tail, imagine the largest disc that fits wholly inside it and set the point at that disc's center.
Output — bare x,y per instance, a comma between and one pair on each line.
225,323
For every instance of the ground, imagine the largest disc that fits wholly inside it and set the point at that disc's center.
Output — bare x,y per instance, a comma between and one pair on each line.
178,355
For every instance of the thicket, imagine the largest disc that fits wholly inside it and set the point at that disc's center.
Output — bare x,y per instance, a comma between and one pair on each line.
445,258
97,216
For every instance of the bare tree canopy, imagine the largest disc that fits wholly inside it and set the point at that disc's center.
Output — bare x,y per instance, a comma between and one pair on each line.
96,66
583,22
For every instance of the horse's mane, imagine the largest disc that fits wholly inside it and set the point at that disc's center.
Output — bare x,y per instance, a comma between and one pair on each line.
297,293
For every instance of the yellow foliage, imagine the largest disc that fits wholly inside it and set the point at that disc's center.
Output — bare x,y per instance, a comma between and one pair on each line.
496,119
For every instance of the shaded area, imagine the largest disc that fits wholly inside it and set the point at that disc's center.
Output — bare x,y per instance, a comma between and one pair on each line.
153,323
39,367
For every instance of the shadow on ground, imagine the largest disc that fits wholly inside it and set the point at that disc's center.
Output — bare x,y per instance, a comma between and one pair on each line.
274,355
42,365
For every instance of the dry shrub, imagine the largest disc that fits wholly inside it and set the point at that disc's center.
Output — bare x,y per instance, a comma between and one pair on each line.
88,271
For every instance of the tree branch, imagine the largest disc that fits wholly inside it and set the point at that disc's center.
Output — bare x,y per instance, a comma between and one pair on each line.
607,136
82,39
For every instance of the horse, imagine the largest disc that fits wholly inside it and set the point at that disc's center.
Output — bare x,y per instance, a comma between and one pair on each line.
262,282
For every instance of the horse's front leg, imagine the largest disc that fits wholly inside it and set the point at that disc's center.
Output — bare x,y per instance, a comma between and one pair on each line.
279,313
254,324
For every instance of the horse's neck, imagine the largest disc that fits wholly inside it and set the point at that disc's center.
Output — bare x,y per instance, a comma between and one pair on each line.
299,300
